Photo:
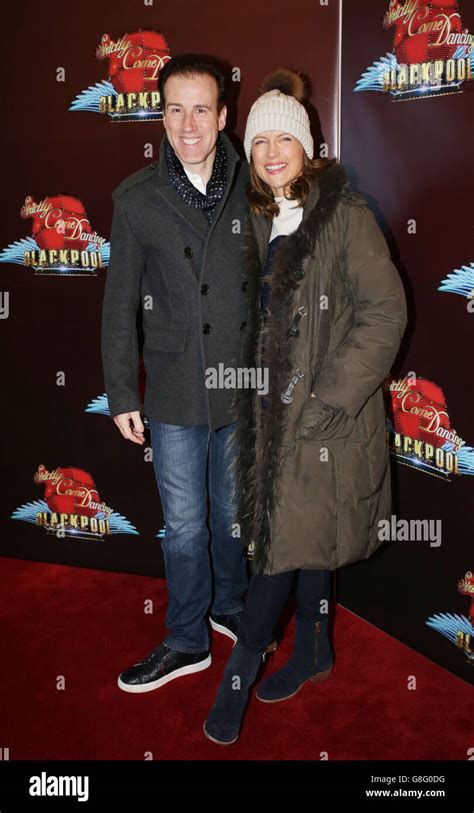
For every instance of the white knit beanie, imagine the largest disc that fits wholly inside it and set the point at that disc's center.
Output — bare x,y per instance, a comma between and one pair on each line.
280,108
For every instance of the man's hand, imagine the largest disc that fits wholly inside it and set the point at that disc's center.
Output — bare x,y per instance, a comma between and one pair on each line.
131,426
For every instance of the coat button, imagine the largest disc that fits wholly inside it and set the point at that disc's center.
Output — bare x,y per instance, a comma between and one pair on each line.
188,252
298,274
245,285
204,289
206,328
243,326
153,165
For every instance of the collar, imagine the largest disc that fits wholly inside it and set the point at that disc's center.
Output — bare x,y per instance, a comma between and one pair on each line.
195,217
196,179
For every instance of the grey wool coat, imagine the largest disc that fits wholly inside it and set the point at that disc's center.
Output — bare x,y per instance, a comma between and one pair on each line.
188,279
313,476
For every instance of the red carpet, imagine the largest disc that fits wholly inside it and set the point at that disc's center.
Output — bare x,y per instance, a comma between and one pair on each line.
89,625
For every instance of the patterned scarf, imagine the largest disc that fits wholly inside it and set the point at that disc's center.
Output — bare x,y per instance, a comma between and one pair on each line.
188,192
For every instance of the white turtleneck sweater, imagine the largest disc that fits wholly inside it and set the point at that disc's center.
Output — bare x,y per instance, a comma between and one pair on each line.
289,217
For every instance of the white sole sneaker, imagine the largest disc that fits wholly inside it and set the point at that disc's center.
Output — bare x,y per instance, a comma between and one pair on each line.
140,688
272,646
223,630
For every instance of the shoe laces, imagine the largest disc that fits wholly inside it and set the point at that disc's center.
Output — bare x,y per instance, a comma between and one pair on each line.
154,654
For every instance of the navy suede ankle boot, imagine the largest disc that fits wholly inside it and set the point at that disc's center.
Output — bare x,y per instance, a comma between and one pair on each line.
311,659
225,717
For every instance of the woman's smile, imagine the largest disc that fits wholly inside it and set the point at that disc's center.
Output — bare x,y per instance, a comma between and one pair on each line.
274,168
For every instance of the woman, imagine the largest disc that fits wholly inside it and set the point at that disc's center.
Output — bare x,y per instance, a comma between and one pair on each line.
327,314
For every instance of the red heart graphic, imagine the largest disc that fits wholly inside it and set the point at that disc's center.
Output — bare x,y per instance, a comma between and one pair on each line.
147,48
419,410
72,480
420,35
62,225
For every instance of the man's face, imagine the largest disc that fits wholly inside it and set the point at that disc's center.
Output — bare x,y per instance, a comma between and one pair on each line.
191,120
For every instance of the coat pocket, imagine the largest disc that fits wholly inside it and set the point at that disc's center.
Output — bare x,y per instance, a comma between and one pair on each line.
165,339
320,421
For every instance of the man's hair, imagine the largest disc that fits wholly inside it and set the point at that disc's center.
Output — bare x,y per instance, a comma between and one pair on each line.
193,65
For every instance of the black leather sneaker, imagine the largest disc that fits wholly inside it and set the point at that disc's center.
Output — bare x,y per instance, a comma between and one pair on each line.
160,666
229,625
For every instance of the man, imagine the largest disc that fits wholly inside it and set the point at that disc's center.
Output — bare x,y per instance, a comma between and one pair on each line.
176,251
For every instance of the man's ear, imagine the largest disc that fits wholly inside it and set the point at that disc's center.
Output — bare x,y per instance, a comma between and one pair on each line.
222,117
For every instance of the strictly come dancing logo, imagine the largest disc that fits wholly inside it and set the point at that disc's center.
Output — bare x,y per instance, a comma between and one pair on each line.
420,431
432,51
71,506
459,629
62,239
130,92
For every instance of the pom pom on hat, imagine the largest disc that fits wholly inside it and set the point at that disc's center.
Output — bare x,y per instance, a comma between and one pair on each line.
287,82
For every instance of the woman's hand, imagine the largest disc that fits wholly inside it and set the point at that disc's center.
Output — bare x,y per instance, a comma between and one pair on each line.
320,421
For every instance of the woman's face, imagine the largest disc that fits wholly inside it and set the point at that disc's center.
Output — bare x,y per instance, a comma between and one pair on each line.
277,158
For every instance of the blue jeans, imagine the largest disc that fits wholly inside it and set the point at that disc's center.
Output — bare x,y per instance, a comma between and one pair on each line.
192,463
267,596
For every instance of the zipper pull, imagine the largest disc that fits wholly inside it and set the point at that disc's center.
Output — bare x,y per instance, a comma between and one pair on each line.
287,394
293,329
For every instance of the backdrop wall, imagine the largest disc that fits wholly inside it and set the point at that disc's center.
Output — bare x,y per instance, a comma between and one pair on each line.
408,151
69,141
62,152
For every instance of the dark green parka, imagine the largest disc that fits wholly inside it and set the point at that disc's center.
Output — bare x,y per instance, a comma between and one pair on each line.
313,476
